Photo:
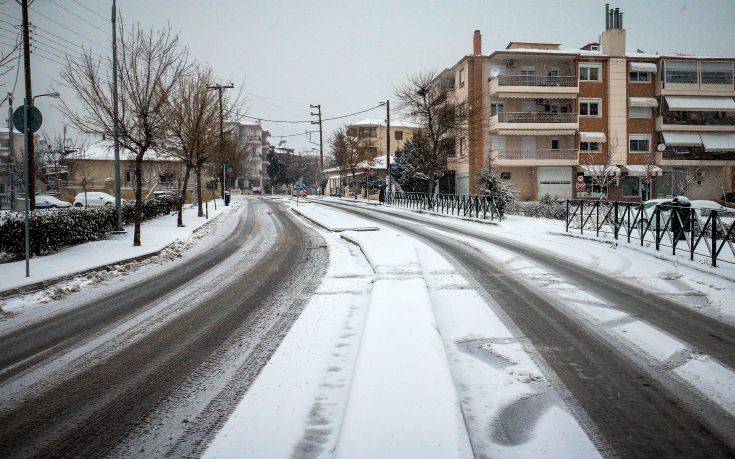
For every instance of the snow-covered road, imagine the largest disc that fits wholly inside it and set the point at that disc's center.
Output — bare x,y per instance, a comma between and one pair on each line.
152,363
458,338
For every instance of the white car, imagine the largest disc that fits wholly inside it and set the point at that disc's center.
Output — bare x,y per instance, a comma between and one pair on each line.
95,199
44,201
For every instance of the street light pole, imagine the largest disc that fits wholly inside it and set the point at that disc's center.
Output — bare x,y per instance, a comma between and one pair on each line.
116,127
26,229
10,173
387,146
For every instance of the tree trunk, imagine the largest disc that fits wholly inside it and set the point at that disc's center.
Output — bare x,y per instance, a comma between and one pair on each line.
354,184
182,198
200,210
138,208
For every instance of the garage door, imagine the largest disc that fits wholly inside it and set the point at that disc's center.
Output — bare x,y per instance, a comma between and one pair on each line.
555,181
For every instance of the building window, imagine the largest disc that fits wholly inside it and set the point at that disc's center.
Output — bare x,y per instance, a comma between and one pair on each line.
462,152
716,72
589,72
398,135
461,77
496,107
351,132
639,77
368,132
631,186
639,112
590,147
590,107
681,72
639,143
505,176
528,71
554,144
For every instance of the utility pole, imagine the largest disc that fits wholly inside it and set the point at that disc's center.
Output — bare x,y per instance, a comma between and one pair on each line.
219,88
30,148
116,126
387,146
321,144
10,173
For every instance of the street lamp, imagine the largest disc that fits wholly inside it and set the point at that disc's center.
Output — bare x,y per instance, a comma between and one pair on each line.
54,95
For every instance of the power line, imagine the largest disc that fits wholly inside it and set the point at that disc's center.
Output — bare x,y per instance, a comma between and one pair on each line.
294,135
51,36
67,28
309,121
80,18
11,17
91,11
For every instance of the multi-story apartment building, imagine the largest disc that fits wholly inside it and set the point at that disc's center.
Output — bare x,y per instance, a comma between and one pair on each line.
4,163
547,117
253,139
375,131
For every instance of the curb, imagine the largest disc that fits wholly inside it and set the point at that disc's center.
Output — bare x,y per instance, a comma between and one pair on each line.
658,255
40,285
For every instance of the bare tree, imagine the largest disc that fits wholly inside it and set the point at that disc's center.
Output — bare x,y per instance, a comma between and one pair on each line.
603,164
6,63
52,158
150,64
192,114
349,150
428,101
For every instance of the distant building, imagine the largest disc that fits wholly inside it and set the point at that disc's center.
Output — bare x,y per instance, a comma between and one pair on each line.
548,117
4,156
253,166
375,130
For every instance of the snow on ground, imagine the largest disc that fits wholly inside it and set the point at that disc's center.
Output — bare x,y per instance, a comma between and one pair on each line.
397,356
161,233
155,235
656,349
710,291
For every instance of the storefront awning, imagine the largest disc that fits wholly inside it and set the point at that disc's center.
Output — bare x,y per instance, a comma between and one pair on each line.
536,95
646,170
682,139
700,104
536,132
718,141
592,137
649,67
598,170
642,102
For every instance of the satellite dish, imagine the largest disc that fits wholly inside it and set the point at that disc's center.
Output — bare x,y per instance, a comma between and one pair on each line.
661,147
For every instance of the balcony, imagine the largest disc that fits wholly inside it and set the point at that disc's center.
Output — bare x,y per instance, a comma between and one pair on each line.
545,123
696,121
535,156
534,86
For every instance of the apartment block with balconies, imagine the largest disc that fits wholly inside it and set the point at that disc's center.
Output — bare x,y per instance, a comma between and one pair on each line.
656,125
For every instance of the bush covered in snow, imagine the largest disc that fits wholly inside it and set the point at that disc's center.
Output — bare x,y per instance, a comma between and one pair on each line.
51,230
506,196
547,207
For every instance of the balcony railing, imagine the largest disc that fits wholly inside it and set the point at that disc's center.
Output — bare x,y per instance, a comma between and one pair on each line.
537,80
535,117
698,118
536,153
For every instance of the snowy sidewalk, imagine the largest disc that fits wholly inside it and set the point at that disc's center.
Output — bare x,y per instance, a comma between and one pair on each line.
390,364
156,234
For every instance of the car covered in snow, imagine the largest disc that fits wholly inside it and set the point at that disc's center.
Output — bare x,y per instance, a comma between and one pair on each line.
94,199
44,201
702,209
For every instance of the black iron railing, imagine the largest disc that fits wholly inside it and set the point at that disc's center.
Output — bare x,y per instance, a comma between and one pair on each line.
477,206
668,226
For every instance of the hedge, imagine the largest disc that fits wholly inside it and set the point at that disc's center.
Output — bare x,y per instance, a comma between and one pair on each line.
51,230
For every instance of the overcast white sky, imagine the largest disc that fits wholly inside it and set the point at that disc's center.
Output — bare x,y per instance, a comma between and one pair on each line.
348,55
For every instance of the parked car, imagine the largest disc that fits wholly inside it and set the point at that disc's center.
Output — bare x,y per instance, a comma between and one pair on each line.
44,201
702,209
94,199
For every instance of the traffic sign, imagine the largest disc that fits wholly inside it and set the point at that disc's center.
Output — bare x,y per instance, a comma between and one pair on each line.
34,119
580,185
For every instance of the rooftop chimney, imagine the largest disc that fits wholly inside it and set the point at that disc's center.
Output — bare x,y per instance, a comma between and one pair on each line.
477,43
612,40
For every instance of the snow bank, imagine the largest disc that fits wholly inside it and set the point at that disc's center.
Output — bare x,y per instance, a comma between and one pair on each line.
155,235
